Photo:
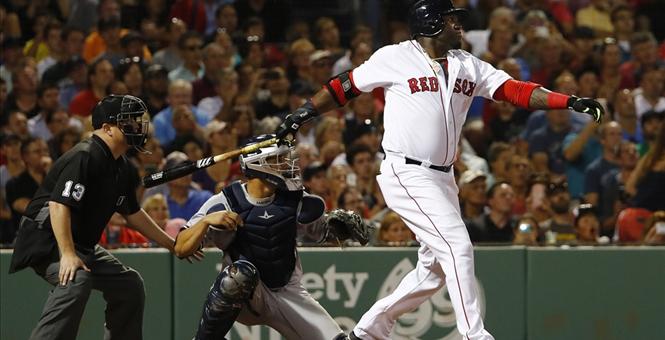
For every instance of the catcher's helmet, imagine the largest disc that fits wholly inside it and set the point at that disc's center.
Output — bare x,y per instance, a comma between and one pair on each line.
125,111
426,16
276,164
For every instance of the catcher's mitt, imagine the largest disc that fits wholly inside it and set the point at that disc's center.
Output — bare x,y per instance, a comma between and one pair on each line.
345,224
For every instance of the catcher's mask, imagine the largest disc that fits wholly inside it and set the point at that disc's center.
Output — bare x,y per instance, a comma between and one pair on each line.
128,113
276,164
426,16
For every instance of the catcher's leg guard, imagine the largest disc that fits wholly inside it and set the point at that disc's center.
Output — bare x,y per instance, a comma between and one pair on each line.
232,288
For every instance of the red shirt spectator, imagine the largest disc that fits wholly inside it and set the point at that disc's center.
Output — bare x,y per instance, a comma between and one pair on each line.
83,103
195,17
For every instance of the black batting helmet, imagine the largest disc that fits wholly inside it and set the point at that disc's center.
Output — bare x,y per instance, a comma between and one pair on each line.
426,16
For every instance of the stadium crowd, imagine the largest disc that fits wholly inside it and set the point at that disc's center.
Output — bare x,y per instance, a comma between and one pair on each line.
215,72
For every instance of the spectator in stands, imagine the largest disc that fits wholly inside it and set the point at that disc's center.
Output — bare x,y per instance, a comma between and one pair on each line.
74,82
508,122
186,129
624,114
623,20
610,139
361,48
583,42
169,56
52,35
17,124
361,159
130,72
472,191
155,206
321,63
252,51
226,90
275,14
156,85
526,231
654,229
596,16
63,141
646,181
220,138
35,46
299,67
183,199
644,56
72,41
501,17
215,59
497,223
561,224
191,68
498,48
226,19
179,93
393,232
12,60
241,119
316,183
612,186
47,99
587,226
277,104
650,122
580,149
537,200
35,155
609,59
100,77
327,130
588,83
519,170
650,93
327,37
352,199
498,157
338,180
11,149
546,143
23,96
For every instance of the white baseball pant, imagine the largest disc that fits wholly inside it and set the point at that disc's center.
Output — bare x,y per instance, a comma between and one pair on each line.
426,199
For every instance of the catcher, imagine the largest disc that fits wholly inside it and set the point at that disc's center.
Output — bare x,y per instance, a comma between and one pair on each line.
256,224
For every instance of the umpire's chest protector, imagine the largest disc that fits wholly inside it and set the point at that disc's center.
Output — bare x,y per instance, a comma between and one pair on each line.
268,237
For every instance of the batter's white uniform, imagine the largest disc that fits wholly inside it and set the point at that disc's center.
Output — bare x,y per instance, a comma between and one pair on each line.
423,118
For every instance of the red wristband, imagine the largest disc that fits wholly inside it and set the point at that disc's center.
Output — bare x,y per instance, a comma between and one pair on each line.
557,100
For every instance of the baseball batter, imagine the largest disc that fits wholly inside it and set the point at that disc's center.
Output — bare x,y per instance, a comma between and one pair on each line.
427,99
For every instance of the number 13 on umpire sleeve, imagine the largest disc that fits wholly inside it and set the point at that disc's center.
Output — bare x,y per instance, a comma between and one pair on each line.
77,194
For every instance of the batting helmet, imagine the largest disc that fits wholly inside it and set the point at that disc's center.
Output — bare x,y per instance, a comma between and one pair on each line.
426,16
276,164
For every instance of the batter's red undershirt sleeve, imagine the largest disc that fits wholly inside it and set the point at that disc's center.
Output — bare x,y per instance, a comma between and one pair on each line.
519,93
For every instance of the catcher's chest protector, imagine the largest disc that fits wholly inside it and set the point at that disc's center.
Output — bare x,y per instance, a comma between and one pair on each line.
268,238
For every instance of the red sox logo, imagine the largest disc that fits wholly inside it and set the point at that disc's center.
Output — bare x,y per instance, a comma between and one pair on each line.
422,84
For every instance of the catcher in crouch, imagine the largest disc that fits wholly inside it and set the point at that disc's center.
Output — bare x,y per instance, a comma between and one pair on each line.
256,224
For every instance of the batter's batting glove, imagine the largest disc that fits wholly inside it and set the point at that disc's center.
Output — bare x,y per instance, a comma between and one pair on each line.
287,130
588,106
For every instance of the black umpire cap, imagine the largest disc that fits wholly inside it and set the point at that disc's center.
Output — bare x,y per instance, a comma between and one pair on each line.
108,109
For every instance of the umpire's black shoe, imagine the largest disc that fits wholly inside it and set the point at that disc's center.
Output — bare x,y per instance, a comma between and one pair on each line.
353,336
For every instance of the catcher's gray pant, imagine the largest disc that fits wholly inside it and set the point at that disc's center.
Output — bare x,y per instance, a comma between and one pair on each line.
290,310
121,286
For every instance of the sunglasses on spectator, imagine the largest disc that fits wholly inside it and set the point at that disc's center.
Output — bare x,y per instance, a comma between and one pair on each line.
193,47
130,60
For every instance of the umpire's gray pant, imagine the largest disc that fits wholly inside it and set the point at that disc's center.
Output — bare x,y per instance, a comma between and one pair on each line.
121,286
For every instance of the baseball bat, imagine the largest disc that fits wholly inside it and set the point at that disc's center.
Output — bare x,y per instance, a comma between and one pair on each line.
182,170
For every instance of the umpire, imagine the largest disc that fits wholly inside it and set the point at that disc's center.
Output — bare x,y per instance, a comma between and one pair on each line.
64,221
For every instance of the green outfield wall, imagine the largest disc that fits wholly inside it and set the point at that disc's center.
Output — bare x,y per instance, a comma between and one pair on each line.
525,293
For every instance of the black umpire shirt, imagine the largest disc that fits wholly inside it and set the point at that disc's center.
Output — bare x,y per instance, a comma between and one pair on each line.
93,185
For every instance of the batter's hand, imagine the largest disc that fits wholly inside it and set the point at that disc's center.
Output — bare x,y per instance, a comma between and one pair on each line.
224,219
69,264
286,131
588,106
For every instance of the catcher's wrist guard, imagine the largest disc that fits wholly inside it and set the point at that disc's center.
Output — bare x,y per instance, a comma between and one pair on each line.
345,224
